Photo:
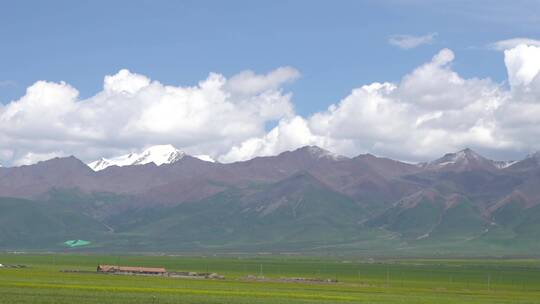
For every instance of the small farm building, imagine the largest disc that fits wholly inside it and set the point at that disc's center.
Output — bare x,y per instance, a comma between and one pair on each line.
130,270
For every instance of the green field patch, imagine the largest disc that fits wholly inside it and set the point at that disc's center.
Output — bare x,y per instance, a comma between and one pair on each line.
359,280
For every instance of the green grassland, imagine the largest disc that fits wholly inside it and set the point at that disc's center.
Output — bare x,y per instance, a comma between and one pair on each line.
360,280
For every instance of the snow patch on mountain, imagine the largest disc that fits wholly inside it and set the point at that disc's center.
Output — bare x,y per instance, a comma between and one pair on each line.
159,155
206,158
322,153
504,163
461,157
465,160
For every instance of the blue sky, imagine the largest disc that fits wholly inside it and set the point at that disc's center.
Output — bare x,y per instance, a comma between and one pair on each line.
433,101
336,45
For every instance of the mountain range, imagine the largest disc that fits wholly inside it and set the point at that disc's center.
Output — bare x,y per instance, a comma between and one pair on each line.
307,200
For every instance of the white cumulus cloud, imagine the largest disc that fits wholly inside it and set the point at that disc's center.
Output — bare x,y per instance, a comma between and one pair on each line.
430,111
523,65
511,43
133,112
248,82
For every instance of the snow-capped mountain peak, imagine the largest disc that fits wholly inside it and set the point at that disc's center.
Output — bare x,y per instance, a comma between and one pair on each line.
454,158
318,152
468,159
159,155
462,160
100,164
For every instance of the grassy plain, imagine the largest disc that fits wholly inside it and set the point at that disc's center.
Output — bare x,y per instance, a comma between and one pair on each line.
360,280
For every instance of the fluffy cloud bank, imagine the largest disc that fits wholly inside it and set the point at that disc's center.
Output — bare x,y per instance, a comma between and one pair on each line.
431,110
133,111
